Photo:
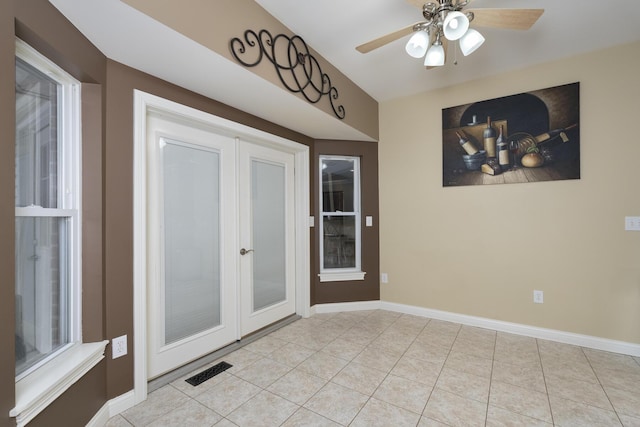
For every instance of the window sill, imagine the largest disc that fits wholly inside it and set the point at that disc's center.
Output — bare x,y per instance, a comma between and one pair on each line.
36,391
341,276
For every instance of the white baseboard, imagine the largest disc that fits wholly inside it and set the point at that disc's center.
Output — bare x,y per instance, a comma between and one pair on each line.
111,408
588,341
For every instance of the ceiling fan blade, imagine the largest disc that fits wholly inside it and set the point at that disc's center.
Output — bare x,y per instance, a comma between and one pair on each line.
510,19
417,3
381,41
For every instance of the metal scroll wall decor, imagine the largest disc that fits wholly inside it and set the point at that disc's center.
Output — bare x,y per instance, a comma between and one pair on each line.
298,70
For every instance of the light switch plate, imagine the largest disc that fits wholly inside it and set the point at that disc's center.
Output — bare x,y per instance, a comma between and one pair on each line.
369,221
632,223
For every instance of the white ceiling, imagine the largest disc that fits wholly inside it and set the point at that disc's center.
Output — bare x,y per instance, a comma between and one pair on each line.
334,28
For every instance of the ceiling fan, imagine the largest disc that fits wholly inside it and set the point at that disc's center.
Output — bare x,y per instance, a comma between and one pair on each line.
449,20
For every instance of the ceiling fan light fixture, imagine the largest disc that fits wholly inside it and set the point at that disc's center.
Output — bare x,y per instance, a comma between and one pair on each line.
435,55
471,41
417,44
455,25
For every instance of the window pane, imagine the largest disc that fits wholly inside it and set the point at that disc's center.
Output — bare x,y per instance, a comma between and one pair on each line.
192,240
42,289
337,185
268,200
339,241
36,137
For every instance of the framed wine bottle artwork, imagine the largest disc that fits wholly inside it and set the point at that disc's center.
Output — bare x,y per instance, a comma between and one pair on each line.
526,137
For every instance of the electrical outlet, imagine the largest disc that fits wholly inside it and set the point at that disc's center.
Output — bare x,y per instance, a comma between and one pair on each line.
538,297
384,278
119,346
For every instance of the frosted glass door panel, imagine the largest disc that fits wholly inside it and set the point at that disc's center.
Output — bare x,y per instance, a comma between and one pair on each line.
268,197
191,240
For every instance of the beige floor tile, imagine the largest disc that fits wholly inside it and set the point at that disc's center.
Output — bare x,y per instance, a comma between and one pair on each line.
561,351
263,372
498,417
377,359
306,418
240,359
463,384
193,391
417,370
613,361
377,413
225,423
265,409
517,350
428,422
443,326
578,391
297,386
436,338
618,378
291,354
228,395
338,403
265,345
478,348
454,410
158,403
473,333
521,401
525,376
117,421
404,393
469,363
428,352
359,378
343,348
323,365
360,335
569,413
625,401
191,414
567,368
390,343
379,368
628,421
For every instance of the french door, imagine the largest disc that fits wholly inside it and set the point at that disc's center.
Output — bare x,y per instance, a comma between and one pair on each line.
220,240
267,236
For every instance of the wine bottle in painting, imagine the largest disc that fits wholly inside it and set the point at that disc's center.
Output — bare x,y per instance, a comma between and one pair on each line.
466,144
502,151
489,137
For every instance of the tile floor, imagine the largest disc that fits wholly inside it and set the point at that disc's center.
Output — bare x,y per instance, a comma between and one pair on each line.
381,368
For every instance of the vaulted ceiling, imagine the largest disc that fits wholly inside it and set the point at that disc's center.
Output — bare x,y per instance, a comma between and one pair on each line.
334,28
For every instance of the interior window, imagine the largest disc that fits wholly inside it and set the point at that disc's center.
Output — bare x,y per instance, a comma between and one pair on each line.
340,216
46,245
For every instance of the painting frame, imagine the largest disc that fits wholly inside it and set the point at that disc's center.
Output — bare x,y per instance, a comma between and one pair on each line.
522,138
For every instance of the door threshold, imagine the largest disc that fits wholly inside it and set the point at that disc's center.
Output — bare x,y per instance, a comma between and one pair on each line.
183,370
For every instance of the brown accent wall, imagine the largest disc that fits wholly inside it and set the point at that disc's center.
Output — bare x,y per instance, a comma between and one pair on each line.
39,24
121,83
214,23
108,200
369,288
7,213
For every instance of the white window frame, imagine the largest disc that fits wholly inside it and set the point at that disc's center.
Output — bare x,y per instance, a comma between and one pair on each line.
42,383
342,274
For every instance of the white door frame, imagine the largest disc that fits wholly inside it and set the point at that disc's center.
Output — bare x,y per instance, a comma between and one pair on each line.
144,102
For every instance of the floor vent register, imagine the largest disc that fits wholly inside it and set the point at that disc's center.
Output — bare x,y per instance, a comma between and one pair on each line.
208,373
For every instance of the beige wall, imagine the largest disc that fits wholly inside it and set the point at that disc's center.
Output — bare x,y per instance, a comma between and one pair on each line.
482,250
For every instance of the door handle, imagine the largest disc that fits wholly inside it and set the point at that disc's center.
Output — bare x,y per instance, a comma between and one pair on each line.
244,251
